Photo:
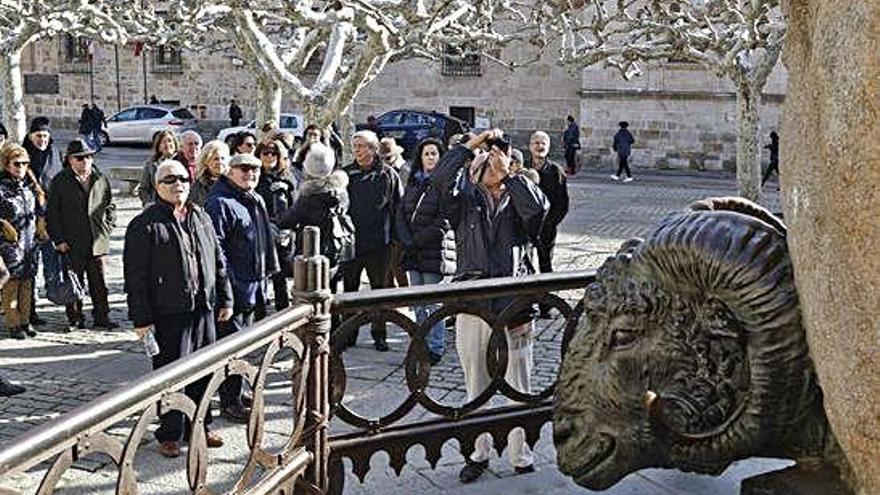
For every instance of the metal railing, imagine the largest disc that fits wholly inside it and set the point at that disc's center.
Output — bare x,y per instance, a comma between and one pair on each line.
311,460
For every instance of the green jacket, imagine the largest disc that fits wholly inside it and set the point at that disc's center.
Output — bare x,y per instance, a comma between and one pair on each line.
82,218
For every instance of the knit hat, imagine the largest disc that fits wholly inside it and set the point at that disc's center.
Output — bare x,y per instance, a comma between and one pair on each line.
39,124
319,161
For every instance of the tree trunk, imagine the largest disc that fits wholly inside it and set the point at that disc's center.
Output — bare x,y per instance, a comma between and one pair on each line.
748,156
13,95
268,103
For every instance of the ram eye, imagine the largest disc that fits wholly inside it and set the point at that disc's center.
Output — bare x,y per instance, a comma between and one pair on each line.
623,338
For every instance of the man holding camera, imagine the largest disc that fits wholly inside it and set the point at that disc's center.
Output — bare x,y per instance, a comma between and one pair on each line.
495,214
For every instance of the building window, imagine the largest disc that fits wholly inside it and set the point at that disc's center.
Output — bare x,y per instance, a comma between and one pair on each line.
167,59
456,64
73,54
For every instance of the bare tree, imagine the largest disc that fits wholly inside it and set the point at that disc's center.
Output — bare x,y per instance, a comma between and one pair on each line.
24,21
737,39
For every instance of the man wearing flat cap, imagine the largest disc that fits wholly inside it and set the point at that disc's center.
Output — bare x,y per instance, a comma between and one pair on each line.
241,223
175,280
81,215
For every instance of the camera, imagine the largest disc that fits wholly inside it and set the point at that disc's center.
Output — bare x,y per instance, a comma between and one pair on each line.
502,143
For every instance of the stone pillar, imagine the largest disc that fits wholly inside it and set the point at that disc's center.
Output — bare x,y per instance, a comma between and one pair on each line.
311,285
830,151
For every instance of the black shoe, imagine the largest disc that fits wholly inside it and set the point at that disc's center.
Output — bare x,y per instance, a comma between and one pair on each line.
29,330
524,469
18,333
380,345
472,470
106,324
434,358
236,413
8,389
36,320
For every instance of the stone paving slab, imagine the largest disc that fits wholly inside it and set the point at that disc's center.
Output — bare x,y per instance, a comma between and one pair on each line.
65,370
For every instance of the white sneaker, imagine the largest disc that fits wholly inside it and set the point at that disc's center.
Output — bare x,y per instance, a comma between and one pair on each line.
614,177
628,179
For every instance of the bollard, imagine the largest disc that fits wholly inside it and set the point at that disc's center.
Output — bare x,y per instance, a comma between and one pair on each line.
311,274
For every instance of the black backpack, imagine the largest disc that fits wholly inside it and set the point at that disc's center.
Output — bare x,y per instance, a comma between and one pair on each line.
337,236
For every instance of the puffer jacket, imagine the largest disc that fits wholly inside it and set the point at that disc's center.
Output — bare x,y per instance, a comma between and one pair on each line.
490,244
316,198
158,272
18,206
423,229
243,230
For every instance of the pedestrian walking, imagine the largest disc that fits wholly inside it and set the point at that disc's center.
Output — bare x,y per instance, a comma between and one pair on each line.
210,166
375,191
571,140
175,280
244,232
45,164
392,156
98,121
773,166
277,188
426,237
623,141
495,215
85,122
22,219
164,148
555,188
190,147
81,215
235,113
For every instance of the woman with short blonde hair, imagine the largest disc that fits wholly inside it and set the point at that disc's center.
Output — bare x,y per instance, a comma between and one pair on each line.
212,162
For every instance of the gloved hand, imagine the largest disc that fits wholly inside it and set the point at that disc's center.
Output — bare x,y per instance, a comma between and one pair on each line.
8,231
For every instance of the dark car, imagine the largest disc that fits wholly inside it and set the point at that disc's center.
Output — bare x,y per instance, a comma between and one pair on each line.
408,127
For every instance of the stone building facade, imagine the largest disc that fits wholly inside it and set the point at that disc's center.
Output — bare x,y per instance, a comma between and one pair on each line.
682,116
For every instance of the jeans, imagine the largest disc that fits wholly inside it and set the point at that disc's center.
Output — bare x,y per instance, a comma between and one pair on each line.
436,336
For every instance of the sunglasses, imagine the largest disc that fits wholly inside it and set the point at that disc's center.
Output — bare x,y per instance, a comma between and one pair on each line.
249,144
269,153
247,168
174,179
21,163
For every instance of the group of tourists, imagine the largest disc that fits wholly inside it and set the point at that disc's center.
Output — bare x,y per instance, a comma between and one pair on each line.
221,223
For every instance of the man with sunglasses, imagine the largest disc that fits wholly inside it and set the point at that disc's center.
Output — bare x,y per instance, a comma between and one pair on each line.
80,217
242,226
175,279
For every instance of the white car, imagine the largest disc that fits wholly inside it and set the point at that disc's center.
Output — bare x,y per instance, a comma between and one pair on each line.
290,123
140,123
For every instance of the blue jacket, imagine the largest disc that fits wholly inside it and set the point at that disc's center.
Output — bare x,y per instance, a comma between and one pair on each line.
623,142
243,231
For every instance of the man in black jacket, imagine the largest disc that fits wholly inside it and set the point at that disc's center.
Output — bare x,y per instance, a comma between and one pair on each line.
553,184
80,217
374,190
175,279
495,214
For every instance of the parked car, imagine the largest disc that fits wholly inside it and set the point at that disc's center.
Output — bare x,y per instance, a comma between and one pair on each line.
290,122
140,123
408,127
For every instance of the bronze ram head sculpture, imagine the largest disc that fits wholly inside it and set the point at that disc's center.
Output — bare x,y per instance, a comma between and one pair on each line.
691,353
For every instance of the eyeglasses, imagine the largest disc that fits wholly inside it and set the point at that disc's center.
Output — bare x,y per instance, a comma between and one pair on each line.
249,144
174,179
21,163
269,153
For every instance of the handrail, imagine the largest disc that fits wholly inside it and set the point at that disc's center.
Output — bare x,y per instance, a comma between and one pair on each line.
53,437
472,290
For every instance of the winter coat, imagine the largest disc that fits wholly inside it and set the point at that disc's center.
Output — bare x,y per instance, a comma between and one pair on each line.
555,187
45,164
83,218
278,191
245,235
198,193
423,229
147,184
571,137
159,270
487,242
18,206
317,200
375,195
623,142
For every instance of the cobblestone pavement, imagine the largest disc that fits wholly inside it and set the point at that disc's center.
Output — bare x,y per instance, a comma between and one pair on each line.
65,370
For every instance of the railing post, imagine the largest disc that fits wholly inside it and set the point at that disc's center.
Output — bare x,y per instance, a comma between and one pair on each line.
311,274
